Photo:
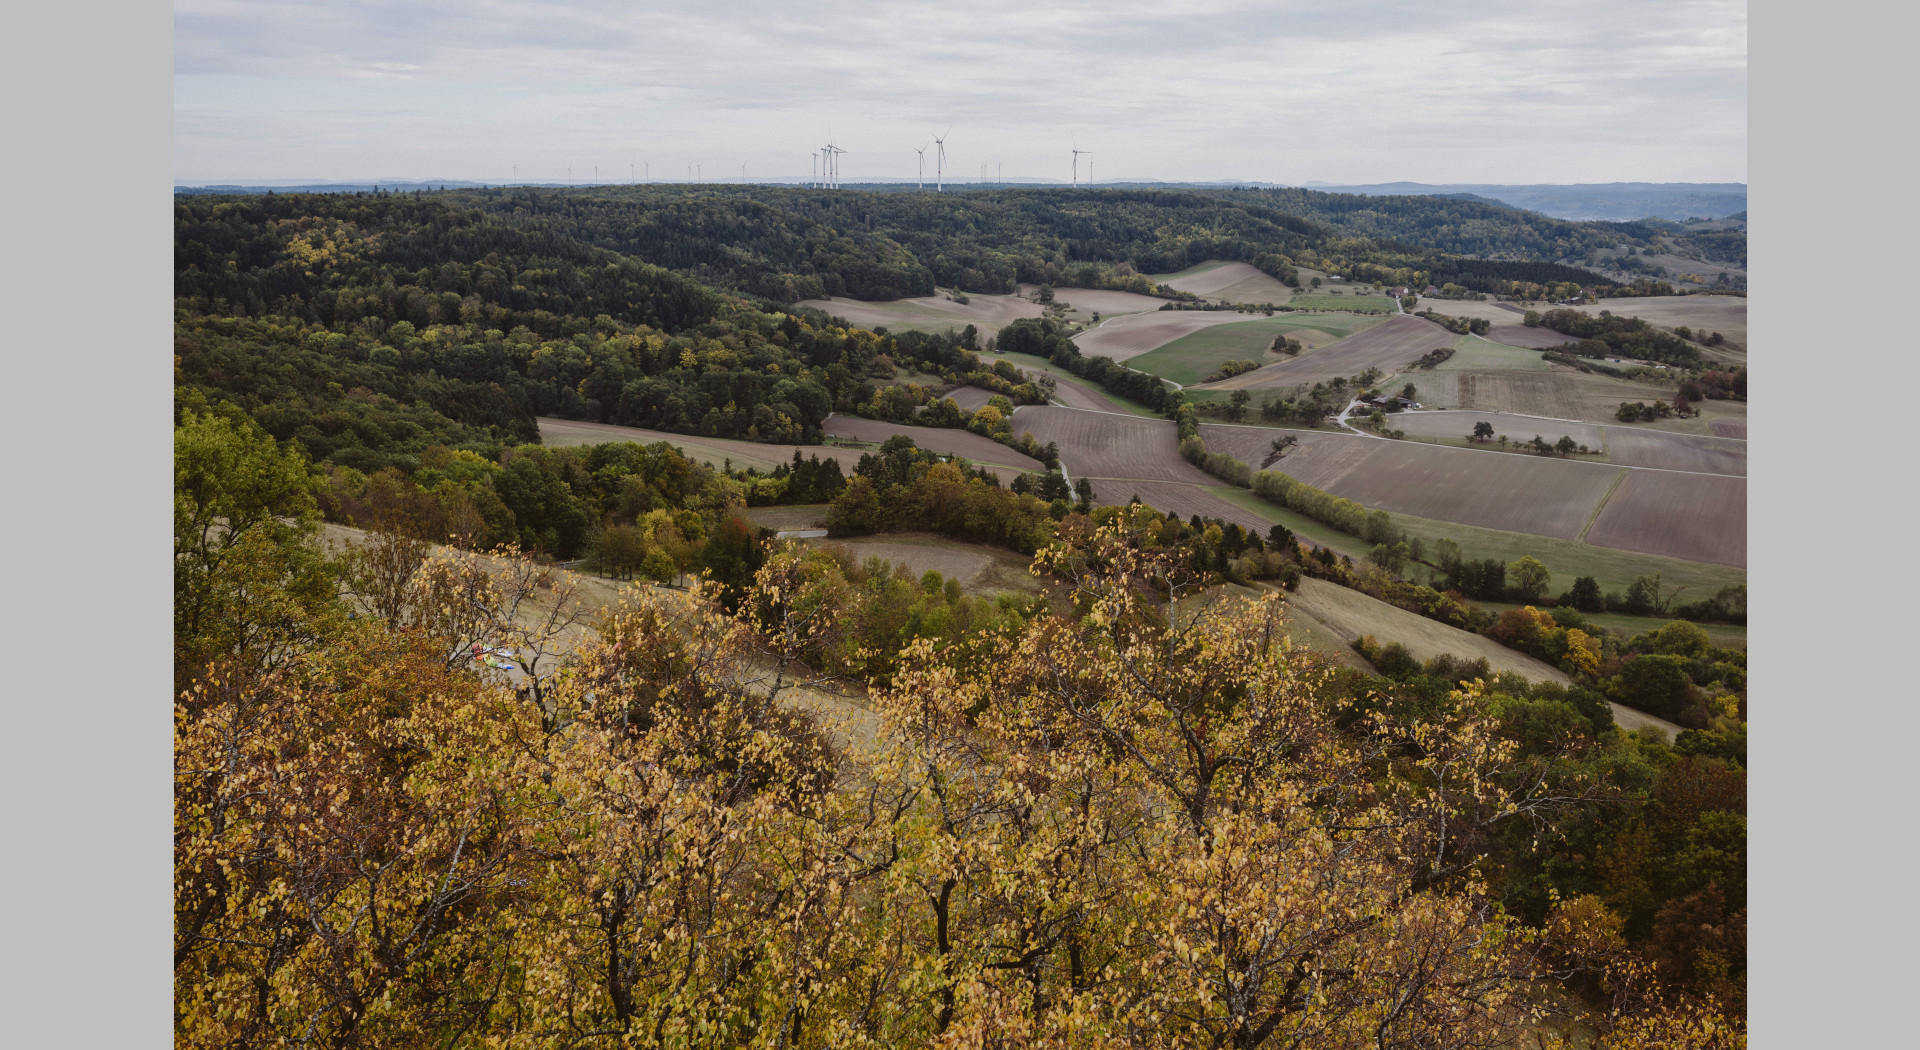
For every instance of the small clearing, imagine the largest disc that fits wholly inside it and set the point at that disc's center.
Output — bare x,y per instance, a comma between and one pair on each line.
970,398
715,452
979,568
933,313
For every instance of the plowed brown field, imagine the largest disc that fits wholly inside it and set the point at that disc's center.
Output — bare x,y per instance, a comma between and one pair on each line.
1389,346
1633,447
1102,445
1531,338
1232,282
1135,334
1546,497
1679,515
981,450
1089,301
1183,501
1446,424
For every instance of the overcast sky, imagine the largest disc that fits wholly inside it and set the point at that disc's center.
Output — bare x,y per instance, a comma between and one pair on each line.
1476,91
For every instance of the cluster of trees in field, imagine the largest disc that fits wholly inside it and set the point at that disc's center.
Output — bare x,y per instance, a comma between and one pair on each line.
1457,325
1604,333
1044,337
1229,369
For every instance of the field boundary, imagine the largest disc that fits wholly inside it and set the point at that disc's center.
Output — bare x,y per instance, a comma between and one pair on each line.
1602,505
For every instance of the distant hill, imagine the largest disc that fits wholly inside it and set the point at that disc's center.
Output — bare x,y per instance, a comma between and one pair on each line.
1610,201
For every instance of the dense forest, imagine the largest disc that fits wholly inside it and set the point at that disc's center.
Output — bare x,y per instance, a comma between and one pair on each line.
370,327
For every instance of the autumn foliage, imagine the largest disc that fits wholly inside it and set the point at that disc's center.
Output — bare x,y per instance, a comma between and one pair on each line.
1135,821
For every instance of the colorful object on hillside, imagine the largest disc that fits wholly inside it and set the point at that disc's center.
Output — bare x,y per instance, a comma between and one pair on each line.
496,658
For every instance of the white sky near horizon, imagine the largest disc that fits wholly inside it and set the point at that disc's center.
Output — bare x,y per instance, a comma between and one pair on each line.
1487,91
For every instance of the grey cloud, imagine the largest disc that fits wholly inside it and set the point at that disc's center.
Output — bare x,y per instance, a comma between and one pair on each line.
1480,92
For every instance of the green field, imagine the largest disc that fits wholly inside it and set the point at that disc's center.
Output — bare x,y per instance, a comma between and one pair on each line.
1363,304
1192,357
1473,353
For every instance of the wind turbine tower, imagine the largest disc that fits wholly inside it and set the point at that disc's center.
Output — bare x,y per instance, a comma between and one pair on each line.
921,184
1077,151
940,162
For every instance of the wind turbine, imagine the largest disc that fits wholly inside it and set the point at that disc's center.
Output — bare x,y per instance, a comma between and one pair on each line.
1076,164
940,161
836,152
922,183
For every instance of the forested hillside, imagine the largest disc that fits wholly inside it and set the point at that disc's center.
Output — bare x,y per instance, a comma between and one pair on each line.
371,326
